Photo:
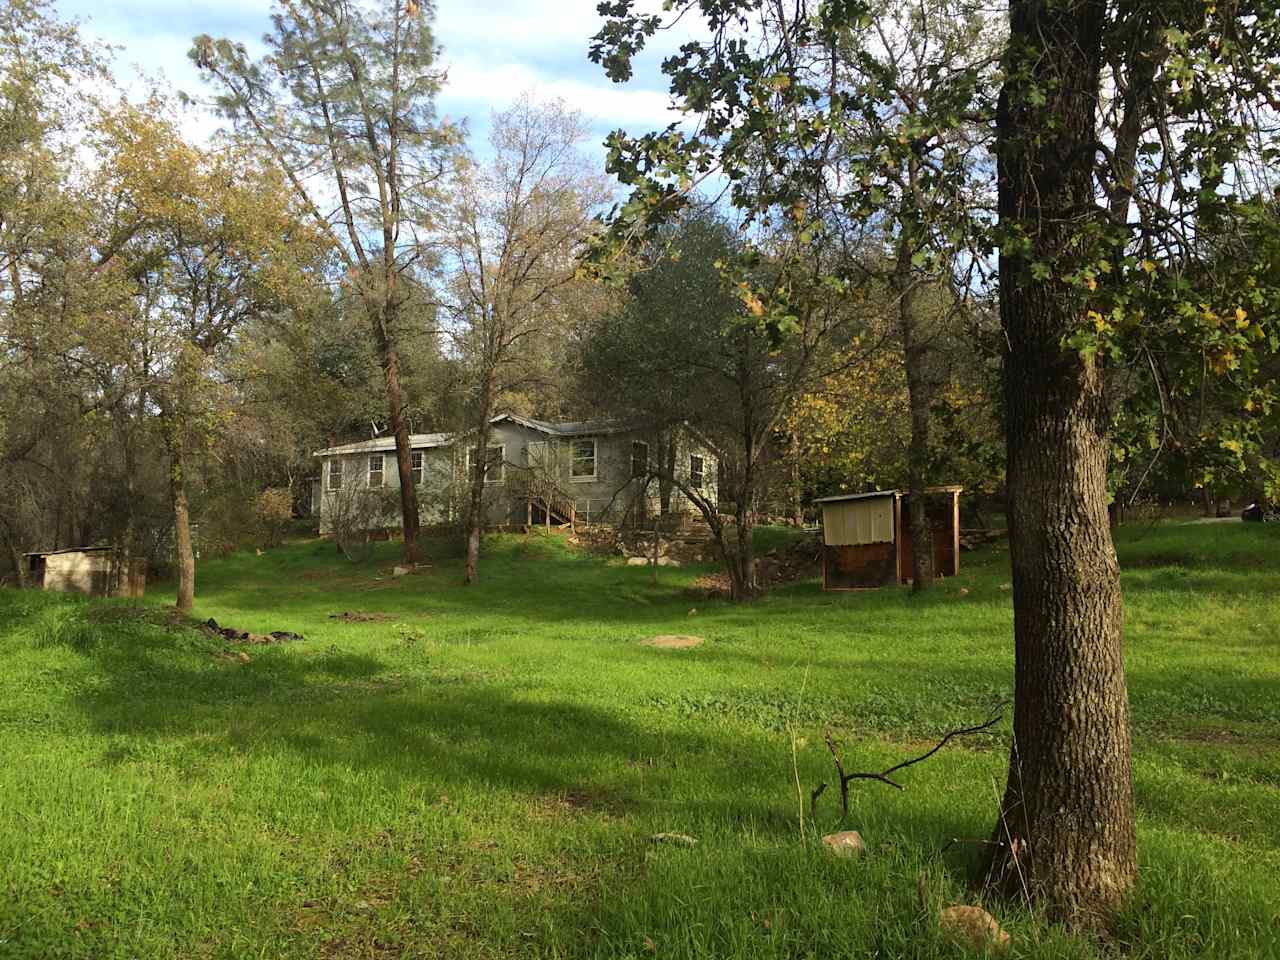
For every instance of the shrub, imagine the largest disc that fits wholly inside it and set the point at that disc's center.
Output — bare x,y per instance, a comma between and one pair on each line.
273,512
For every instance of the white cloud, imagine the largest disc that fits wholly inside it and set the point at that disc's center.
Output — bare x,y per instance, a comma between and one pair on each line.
478,88
531,25
495,50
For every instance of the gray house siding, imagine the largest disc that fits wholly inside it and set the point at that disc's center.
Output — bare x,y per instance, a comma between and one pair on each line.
592,467
358,478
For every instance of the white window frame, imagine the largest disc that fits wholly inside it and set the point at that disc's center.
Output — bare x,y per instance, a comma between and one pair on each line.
502,462
700,473
381,471
418,467
595,460
334,474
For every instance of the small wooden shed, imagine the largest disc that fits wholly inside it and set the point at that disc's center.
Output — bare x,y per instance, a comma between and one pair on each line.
867,541
97,571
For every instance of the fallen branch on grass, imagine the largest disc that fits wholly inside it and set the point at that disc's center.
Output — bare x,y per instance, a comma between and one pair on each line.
884,776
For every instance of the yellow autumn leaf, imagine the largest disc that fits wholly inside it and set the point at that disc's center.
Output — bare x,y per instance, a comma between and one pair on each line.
1242,318
1149,266
1098,320
1091,283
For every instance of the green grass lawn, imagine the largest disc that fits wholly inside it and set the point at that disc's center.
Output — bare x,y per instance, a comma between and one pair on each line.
479,774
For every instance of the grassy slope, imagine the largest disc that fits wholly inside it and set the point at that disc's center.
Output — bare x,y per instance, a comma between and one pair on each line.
480,776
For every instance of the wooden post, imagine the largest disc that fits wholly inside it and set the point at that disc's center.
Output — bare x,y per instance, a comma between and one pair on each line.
955,533
897,538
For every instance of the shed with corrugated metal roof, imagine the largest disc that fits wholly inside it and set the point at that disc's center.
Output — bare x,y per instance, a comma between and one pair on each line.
867,543
97,571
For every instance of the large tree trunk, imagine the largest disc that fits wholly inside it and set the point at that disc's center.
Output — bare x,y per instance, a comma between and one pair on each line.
475,502
916,358
668,469
745,586
185,554
795,481
389,361
1066,832
18,561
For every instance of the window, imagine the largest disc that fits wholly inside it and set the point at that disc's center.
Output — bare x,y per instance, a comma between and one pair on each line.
375,470
582,461
335,474
417,464
639,459
695,472
538,457
492,463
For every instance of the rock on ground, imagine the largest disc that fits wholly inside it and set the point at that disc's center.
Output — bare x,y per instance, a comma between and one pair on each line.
678,839
973,927
847,843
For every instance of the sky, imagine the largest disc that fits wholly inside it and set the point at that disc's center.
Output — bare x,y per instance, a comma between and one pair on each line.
494,50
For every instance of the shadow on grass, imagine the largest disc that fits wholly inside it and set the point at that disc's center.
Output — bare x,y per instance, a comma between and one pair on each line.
332,707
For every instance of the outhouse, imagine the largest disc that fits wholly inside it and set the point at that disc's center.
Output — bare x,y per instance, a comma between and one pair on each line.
97,571
867,540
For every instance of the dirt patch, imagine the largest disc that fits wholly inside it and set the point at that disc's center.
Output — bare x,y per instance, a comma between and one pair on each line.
670,641
1211,735
573,803
708,587
801,560
355,616
232,635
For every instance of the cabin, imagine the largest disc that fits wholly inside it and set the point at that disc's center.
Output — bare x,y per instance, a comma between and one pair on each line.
95,571
536,473
866,537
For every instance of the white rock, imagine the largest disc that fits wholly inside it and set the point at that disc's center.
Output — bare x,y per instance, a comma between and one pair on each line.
668,562
401,571
679,839
637,562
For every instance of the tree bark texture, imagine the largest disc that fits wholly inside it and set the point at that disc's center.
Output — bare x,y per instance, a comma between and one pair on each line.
389,361
1066,829
795,481
916,358
669,451
19,565
475,501
185,553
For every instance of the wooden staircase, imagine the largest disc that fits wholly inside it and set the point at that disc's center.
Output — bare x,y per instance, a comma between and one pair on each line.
544,494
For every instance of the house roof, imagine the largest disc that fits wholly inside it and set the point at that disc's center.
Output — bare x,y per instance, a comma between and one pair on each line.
427,441
859,496
573,428
417,441
50,553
